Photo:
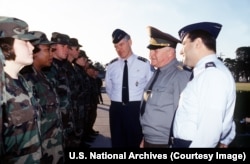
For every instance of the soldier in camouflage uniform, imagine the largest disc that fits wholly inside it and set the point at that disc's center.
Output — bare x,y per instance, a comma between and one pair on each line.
51,125
20,114
84,96
1,97
74,83
58,77
94,100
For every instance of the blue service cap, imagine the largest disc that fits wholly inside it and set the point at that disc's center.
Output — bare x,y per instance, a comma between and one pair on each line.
118,35
210,27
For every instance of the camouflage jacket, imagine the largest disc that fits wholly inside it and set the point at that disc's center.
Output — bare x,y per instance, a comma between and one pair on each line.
20,121
51,123
58,78
84,85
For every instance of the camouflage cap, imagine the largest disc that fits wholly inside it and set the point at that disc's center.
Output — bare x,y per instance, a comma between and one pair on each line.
74,42
83,54
59,38
14,28
42,38
91,66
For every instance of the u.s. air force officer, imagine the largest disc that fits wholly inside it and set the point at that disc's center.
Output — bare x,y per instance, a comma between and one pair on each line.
204,117
126,77
161,95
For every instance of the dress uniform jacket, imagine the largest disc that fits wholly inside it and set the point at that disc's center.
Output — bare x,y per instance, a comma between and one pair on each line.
161,104
206,107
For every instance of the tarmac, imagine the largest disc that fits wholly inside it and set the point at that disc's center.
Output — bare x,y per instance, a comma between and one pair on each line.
103,140
102,125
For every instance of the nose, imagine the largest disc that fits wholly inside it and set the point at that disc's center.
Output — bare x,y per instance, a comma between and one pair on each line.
30,45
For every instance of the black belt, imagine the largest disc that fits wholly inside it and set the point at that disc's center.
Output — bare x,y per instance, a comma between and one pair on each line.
116,102
180,143
150,145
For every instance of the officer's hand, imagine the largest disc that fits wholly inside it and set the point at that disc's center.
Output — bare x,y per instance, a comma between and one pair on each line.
142,143
221,145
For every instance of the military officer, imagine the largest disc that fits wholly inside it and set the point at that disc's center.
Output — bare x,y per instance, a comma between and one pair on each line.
125,91
204,117
160,101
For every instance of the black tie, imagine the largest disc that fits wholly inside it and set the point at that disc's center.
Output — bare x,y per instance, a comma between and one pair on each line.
125,92
148,92
192,75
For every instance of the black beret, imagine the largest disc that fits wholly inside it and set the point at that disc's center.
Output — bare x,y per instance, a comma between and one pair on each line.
159,39
118,35
210,27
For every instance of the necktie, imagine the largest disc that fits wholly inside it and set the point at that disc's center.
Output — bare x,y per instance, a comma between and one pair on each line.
125,92
148,92
191,76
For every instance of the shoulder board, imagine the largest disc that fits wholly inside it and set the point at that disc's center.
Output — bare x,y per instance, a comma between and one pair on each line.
210,64
142,59
112,61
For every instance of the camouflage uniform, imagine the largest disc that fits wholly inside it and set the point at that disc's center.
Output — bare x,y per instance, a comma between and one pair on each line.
82,97
57,76
94,100
51,123
74,92
21,123
20,139
2,86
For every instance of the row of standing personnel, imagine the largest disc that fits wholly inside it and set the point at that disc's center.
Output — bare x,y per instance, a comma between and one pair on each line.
49,95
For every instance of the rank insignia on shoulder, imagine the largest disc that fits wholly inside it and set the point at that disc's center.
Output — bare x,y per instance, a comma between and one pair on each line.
142,59
112,61
210,64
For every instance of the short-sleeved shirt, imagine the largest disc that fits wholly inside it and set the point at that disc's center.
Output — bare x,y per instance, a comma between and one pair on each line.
206,107
139,73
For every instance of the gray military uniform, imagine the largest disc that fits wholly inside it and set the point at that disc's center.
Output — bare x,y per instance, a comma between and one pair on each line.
162,103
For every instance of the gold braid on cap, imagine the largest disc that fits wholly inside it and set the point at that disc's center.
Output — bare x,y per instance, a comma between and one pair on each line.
159,42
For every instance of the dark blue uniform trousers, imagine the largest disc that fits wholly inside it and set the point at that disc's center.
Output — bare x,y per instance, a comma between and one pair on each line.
125,125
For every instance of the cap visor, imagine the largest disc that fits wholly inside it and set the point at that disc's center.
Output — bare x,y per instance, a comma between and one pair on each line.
25,37
153,47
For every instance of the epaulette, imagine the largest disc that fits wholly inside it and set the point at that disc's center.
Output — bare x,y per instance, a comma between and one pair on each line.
210,64
112,61
142,59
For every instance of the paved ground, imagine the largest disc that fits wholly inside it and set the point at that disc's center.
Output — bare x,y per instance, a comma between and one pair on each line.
102,125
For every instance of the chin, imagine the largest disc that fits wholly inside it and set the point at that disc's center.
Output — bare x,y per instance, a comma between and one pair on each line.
29,62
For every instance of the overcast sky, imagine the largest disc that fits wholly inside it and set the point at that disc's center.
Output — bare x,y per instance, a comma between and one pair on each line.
93,21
